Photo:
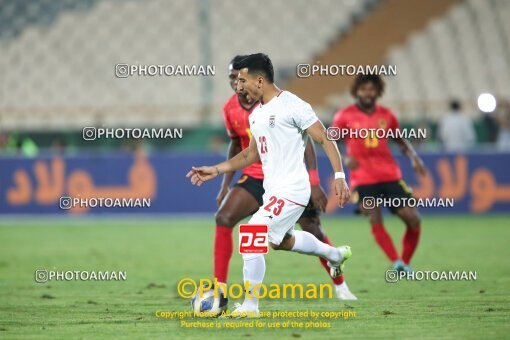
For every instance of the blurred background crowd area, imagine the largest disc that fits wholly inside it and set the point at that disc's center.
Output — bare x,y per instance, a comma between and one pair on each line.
57,67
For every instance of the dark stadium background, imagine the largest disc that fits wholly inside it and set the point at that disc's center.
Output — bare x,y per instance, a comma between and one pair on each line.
57,76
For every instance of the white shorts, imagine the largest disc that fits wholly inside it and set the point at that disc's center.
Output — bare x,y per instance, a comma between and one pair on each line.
280,215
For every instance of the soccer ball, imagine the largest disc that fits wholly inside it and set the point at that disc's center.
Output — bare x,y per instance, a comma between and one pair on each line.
209,305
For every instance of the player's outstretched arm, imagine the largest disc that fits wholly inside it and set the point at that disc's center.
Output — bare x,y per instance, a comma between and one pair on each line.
318,133
205,173
408,150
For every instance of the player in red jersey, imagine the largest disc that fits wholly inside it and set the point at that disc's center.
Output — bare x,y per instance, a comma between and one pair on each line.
373,170
245,197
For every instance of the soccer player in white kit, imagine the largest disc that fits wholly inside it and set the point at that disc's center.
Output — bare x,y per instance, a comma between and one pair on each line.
280,126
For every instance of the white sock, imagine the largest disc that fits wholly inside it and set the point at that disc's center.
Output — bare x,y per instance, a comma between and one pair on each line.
253,271
341,285
306,243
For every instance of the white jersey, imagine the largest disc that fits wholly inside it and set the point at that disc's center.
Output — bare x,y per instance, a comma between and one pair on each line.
279,130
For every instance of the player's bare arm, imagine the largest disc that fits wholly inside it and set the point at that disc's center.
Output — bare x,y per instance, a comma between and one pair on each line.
234,147
318,133
408,150
205,173
319,197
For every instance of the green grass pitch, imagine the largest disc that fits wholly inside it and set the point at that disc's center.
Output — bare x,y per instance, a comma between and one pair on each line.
157,253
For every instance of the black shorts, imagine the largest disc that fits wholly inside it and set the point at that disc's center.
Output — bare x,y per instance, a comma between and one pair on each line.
395,189
256,188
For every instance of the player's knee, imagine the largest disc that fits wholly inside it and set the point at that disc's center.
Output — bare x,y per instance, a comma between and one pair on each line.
224,219
313,226
375,218
281,246
286,244
274,246
412,218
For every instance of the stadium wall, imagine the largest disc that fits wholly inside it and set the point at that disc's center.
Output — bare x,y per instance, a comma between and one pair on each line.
367,43
477,183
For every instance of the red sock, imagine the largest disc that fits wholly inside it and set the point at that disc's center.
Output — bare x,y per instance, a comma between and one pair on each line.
337,280
223,245
384,241
409,243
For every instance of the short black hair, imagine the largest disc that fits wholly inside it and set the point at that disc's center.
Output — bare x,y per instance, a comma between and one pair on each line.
455,105
236,60
258,63
368,78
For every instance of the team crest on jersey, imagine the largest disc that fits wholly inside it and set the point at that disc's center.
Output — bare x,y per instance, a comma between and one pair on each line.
272,119
382,123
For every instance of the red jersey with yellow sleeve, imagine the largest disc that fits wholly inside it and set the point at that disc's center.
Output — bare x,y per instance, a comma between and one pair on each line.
375,161
238,126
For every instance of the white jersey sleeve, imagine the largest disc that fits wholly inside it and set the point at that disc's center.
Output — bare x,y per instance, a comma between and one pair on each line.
304,116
